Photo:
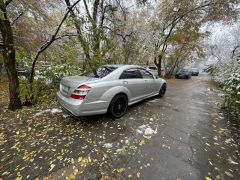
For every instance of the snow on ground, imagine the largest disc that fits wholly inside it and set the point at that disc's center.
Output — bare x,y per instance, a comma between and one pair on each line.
146,130
52,111
108,145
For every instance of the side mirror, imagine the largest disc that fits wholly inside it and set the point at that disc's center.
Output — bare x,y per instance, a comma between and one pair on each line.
156,77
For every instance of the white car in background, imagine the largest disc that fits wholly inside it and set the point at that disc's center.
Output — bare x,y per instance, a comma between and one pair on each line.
152,69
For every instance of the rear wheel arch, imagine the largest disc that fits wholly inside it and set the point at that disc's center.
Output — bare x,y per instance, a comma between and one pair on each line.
111,93
118,105
119,93
122,93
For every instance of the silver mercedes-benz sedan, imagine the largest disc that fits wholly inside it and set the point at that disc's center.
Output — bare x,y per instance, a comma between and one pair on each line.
110,90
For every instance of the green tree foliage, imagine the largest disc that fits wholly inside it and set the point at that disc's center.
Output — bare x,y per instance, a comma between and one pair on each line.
173,19
93,30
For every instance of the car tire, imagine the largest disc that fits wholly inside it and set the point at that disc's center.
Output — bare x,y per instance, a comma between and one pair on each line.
163,90
118,106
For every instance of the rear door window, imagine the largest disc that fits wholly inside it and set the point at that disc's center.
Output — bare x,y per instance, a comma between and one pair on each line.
145,74
131,74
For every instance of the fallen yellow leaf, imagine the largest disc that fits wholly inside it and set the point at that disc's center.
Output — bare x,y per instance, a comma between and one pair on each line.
138,174
71,177
142,142
207,178
120,170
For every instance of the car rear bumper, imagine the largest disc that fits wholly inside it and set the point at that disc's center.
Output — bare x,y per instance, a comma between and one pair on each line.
195,74
181,76
79,108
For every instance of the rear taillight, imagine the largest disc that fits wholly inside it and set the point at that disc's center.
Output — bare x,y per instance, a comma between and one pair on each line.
81,92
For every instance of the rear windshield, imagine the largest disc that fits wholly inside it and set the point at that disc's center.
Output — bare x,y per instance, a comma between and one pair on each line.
103,71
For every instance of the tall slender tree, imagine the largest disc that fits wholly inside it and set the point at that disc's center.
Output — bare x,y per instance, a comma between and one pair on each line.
9,58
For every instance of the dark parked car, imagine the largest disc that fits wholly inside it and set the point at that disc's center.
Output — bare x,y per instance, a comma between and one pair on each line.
194,71
183,74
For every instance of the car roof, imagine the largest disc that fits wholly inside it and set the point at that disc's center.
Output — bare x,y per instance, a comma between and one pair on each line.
115,65
125,66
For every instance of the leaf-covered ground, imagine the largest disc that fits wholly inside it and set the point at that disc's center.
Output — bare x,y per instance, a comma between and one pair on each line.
38,141
184,135
3,91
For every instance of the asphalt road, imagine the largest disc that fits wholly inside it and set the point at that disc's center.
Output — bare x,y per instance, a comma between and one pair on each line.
184,135
197,140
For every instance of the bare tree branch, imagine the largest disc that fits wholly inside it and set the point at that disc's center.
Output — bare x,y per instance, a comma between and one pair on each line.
16,18
123,9
48,43
234,50
124,36
95,10
87,10
103,15
2,47
7,2
67,35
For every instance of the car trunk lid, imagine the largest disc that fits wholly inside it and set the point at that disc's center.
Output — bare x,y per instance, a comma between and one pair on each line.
70,83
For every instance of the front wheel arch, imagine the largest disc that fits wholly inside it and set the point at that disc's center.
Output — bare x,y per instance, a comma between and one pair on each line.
163,89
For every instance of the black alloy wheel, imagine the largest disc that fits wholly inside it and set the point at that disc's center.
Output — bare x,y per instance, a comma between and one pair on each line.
118,106
163,90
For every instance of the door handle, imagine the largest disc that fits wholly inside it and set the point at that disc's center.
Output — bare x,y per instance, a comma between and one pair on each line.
125,82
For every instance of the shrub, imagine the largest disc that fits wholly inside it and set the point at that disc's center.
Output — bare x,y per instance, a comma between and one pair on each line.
228,76
39,89
232,87
45,84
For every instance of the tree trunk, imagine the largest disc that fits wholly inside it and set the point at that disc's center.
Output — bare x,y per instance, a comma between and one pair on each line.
125,54
158,63
80,37
1,68
173,67
9,59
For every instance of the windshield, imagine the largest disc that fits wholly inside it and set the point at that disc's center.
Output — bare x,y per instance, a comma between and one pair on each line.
103,71
194,69
184,70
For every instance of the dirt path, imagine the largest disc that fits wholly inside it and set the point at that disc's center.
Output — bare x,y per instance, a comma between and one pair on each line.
184,135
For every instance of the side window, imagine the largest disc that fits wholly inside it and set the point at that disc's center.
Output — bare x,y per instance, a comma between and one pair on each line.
131,74
145,74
